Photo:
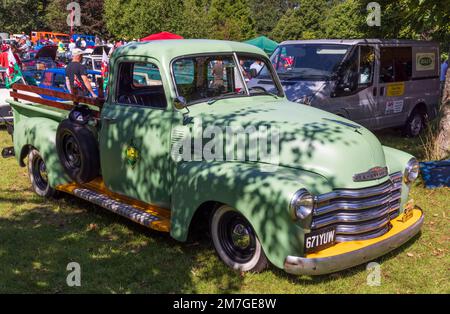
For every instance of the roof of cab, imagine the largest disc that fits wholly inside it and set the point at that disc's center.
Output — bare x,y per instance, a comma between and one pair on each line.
362,41
166,50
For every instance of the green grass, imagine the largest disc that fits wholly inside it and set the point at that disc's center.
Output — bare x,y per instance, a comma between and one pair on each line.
39,237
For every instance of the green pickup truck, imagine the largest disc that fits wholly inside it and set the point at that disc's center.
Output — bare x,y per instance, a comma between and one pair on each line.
188,138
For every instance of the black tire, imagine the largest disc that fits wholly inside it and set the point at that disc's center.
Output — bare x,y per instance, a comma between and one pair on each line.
37,172
78,151
415,124
235,241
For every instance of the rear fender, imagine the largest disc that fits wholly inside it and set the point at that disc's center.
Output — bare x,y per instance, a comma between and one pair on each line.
40,133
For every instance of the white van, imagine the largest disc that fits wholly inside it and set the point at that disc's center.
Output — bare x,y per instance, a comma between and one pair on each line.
377,83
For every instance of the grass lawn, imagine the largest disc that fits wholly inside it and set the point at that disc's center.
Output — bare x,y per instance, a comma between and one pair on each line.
39,237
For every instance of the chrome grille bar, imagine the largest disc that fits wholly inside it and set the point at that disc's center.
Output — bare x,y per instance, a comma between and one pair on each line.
377,190
359,214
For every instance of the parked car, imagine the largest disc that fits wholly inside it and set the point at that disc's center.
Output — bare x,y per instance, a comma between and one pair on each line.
37,37
93,60
55,79
328,197
44,59
377,83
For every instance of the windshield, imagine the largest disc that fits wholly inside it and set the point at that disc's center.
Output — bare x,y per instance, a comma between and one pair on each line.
212,77
309,62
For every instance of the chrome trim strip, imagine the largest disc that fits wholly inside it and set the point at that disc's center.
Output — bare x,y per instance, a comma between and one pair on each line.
319,266
358,204
356,217
360,237
362,228
391,184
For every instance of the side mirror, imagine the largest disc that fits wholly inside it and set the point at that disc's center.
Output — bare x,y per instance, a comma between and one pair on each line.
180,103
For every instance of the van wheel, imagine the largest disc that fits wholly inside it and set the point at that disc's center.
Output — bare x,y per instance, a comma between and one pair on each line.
415,124
235,241
78,151
37,172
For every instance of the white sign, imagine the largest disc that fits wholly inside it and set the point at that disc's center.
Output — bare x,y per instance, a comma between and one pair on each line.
425,61
395,106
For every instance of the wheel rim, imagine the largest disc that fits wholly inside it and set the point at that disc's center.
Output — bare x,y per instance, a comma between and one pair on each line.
39,171
416,125
237,237
71,151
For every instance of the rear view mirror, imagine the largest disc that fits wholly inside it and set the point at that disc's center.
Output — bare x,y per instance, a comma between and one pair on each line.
180,103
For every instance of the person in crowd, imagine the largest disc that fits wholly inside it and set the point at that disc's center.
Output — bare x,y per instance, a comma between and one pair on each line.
3,61
83,43
217,73
76,75
444,68
72,45
257,65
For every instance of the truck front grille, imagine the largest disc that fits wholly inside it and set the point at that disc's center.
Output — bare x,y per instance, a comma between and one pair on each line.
359,214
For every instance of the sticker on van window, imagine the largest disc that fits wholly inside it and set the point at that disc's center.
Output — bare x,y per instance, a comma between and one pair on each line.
395,89
425,61
395,106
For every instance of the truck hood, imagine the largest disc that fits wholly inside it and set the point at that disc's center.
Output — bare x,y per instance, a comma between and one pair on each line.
297,90
310,139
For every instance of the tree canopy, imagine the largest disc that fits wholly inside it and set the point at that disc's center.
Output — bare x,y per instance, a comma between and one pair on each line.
234,19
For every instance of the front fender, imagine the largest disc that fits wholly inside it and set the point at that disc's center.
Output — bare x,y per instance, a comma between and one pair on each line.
396,161
262,198
40,133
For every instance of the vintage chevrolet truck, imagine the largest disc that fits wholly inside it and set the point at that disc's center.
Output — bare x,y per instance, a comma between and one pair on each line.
332,198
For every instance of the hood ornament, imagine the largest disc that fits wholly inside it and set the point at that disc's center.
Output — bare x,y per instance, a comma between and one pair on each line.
372,174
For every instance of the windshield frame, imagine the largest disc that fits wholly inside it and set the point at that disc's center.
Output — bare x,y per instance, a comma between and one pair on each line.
235,57
277,53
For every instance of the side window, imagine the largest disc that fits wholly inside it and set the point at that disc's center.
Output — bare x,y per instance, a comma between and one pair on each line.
139,84
395,64
366,65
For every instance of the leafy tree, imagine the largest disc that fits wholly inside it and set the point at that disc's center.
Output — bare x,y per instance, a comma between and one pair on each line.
21,15
267,13
197,22
304,21
345,19
130,19
232,19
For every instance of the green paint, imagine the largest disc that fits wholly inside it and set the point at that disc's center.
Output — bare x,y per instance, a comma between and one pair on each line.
316,152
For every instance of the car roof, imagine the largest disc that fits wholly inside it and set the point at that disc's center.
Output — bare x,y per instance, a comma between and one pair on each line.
166,50
362,41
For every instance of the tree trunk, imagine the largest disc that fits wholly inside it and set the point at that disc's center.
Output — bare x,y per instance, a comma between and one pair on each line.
443,137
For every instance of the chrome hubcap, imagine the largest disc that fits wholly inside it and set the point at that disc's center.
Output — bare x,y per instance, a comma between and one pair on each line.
240,236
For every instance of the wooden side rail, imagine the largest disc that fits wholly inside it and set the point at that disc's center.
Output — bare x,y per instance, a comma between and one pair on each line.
52,93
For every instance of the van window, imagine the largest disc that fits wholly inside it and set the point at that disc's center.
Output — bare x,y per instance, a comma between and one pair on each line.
366,65
310,62
140,85
395,64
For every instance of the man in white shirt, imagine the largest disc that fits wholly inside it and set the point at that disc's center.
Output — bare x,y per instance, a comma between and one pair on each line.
257,65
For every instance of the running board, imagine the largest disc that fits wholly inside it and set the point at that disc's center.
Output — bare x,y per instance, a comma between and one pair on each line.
144,214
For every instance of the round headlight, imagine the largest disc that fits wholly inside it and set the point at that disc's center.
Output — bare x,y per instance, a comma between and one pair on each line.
411,171
302,204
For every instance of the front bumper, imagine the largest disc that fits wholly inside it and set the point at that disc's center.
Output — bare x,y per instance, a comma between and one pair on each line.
348,254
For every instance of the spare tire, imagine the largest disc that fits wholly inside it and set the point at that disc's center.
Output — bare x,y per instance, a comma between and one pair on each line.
78,151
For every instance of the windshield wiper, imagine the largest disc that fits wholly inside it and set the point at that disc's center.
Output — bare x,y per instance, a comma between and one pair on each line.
222,96
261,90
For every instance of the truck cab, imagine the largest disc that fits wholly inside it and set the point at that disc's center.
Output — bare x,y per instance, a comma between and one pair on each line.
187,138
377,83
